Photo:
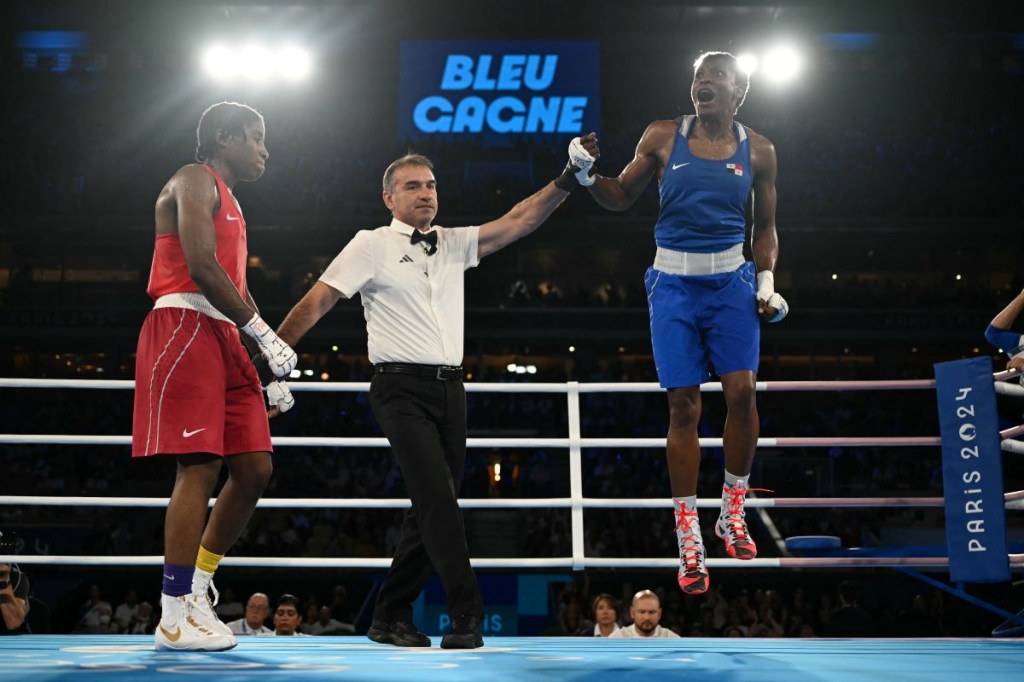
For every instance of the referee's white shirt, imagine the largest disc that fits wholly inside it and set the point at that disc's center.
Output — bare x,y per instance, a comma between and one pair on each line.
630,631
414,304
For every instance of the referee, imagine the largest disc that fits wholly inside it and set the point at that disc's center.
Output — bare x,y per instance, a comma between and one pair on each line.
410,276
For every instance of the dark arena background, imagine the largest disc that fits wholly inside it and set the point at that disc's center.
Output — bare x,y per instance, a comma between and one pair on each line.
897,127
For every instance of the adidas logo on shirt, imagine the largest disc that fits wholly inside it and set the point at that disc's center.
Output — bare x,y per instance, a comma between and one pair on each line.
406,259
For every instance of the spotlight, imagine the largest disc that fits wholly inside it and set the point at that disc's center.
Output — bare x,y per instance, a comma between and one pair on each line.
782,64
220,62
294,63
748,62
257,63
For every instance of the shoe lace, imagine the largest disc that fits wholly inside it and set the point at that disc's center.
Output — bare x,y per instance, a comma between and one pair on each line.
216,594
735,516
690,548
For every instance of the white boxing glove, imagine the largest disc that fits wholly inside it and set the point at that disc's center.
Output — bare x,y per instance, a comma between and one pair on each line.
581,158
279,354
766,293
280,396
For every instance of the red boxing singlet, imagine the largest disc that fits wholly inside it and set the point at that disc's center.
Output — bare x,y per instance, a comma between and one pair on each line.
169,272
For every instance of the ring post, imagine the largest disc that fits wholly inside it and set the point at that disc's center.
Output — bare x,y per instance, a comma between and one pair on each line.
576,475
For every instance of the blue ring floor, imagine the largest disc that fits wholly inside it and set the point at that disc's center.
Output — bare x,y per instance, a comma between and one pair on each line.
102,658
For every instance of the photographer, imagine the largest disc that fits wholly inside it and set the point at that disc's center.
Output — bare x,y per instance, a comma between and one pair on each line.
13,600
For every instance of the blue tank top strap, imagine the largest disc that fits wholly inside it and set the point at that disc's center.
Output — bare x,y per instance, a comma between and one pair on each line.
703,201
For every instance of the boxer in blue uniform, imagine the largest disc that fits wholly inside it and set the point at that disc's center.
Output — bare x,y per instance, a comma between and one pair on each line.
705,299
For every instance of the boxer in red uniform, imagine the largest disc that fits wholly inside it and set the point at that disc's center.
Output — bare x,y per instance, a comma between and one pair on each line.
197,394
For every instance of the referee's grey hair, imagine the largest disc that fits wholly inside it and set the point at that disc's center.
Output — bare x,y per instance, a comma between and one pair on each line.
409,159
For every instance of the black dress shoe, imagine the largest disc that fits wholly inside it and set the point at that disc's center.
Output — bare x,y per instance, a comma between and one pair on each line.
465,634
399,633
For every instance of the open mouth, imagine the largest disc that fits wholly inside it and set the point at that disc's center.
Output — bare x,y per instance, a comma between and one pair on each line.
705,95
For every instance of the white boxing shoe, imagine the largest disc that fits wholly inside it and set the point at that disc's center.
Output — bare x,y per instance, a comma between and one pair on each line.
184,628
202,588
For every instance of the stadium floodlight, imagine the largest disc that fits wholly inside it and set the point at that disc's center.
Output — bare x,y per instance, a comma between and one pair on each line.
258,63
294,63
748,62
782,64
219,62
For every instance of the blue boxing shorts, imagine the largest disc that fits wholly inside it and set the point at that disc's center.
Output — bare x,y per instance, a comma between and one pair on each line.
697,320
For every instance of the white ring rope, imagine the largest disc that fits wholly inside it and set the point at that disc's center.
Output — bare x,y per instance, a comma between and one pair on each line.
501,387
576,502
488,503
1015,560
377,442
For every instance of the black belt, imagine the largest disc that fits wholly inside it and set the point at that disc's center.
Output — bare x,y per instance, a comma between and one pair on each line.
439,372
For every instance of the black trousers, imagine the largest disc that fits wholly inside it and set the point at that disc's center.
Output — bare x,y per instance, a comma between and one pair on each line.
424,419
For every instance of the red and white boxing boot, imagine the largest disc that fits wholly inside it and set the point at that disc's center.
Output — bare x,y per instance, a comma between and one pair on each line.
693,575
732,523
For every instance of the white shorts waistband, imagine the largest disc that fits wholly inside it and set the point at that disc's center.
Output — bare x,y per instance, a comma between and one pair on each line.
689,263
193,301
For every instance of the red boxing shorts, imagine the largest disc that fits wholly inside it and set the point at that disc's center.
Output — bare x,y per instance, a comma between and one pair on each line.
195,388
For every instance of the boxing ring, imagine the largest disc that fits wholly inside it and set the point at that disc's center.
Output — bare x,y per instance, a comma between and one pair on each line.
41,657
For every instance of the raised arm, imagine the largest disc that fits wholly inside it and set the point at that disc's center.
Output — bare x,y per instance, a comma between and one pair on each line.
1006,317
1000,336
619,193
524,218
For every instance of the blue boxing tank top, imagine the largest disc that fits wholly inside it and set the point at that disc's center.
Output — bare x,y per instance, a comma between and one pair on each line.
703,202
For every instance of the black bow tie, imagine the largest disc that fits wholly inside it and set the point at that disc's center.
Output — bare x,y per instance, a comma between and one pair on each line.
428,237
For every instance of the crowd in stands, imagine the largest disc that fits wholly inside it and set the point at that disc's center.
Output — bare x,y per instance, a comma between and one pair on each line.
814,607
832,608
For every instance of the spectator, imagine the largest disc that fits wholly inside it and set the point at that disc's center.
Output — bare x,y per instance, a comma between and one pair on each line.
96,614
849,620
254,622
606,615
228,608
917,622
143,622
125,612
326,625
340,610
311,617
573,624
287,617
646,614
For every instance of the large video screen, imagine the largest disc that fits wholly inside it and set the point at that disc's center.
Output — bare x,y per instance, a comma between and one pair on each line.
499,90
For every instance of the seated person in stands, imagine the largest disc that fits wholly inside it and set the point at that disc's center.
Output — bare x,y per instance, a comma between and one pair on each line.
253,623
287,617
646,615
